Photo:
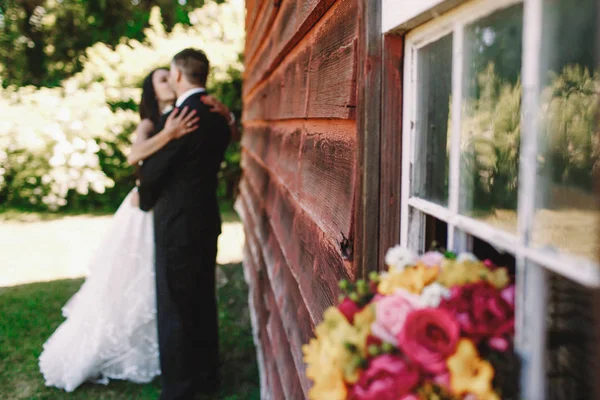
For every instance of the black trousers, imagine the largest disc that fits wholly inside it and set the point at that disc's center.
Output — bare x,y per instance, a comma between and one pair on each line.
187,319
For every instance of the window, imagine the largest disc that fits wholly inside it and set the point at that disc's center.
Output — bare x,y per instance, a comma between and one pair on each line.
499,154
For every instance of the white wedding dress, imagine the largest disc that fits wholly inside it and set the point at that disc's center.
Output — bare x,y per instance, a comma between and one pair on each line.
110,331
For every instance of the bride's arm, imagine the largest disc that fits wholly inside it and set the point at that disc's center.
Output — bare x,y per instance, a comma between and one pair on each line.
176,126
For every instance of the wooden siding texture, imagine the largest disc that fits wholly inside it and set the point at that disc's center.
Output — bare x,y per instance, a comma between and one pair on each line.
297,194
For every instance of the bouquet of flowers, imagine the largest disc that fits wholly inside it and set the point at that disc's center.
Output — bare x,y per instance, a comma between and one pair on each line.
438,326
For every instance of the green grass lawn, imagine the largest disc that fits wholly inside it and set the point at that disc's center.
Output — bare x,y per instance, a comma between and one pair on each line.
30,313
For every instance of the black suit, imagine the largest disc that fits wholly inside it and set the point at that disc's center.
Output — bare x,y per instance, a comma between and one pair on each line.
179,183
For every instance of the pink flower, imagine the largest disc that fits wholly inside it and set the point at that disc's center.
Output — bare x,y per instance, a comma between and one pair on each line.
431,258
349,309
429,337
390,314
443,380
483,313
499,344
508,294
387,378
410,396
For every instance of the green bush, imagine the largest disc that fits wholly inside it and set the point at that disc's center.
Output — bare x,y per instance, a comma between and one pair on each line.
568,149
64,148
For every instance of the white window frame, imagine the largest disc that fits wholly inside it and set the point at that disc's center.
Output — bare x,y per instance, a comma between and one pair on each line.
532,262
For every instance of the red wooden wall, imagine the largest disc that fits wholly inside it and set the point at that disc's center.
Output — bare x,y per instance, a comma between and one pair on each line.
298,191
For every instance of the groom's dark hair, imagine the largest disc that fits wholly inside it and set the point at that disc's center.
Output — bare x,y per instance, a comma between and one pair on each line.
194,65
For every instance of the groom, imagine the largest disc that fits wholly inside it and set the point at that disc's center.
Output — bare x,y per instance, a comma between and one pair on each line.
179,183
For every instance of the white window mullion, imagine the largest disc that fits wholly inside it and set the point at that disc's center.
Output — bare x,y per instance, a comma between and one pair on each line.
454,242
531,277
408,128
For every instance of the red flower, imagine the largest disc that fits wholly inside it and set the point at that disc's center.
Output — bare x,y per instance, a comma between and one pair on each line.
483,312
349,309
429,337
372,340
387,378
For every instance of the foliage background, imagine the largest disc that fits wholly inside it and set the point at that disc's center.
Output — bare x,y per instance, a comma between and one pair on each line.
63,146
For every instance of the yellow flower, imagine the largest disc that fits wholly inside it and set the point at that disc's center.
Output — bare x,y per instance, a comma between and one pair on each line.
470,374
412,279
362,323
330,385
330,363
460,273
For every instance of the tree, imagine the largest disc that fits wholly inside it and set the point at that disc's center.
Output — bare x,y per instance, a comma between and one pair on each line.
65,146
43,41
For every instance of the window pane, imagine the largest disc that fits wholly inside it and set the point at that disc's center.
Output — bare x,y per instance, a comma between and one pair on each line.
430,180
484,250
436,233
490,128
567,215
570,347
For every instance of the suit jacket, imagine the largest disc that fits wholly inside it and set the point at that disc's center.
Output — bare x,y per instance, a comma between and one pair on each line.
179,182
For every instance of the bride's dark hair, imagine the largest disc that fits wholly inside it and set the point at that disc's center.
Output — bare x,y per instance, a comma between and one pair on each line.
149,104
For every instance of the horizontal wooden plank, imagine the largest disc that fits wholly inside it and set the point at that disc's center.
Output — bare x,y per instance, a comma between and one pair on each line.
262,310
278,147
333,62
315,161
295,19
274,382
270,382
296,321
284,95
256,139
256,36
256,318
306,250
317,79
256,175
256,211
305,246
253,8
328,267
251,227
283,357
326,175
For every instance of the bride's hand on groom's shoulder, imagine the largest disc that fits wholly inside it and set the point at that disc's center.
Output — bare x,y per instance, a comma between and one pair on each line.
216,106
181,122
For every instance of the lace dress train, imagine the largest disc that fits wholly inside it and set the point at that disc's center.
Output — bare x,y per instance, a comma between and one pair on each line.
110,328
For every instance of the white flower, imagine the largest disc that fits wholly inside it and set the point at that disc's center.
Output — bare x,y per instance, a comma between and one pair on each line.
462,257
98,187
77,160
92,146
432,295
64,114
399,257
58,160
76,125
79,143
63,147
82,188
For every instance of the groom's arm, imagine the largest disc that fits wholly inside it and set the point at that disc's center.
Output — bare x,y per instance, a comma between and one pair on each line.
155,170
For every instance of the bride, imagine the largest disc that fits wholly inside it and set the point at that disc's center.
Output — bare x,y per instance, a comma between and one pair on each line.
110,331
